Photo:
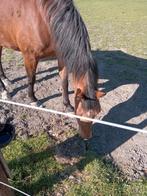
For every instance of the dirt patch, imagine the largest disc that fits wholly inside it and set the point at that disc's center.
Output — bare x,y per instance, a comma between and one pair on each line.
124,79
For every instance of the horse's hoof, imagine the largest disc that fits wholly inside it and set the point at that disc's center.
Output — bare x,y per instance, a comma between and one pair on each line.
6,82
69,109
36,104
5,95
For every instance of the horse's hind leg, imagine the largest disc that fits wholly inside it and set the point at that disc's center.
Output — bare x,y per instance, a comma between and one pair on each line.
64,77
3,80
31,65
2,74
4,94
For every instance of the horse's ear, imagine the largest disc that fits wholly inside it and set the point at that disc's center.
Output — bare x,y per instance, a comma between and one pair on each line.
100,94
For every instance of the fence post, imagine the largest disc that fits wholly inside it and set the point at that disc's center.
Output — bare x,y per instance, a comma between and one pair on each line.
4,175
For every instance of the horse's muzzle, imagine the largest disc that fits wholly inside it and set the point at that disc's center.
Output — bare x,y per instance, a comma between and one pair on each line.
85,129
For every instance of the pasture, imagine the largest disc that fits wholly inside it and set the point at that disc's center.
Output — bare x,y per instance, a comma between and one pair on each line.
47,157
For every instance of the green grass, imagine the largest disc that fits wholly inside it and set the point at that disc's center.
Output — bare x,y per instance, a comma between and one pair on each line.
35,171
101,178
116,24
32,164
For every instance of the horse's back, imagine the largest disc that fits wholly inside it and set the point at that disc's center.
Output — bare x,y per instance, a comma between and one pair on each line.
22,26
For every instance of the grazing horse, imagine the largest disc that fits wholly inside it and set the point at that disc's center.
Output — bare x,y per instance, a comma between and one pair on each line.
44,28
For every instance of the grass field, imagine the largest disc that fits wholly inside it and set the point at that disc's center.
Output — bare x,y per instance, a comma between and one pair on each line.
35,170
112,25
116,24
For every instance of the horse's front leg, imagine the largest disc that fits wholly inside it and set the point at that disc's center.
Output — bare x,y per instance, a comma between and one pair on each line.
64,78
31,65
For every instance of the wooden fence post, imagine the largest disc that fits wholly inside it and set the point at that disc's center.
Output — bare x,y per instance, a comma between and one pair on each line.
4,175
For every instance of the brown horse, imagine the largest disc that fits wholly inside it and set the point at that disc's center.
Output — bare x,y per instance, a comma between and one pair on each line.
44,28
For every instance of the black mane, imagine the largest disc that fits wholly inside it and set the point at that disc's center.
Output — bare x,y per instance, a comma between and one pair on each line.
71,38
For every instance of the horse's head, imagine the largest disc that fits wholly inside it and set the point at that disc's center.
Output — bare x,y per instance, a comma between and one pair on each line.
87,107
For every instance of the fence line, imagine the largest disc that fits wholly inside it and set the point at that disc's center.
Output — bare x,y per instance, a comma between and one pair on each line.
75,116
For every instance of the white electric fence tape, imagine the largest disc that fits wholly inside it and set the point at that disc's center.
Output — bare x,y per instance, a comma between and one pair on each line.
11,187
75,116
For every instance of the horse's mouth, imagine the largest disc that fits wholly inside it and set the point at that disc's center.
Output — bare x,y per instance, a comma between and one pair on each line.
85,130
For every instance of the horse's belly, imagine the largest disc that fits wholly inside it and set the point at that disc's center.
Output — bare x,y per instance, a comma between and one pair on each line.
7,44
